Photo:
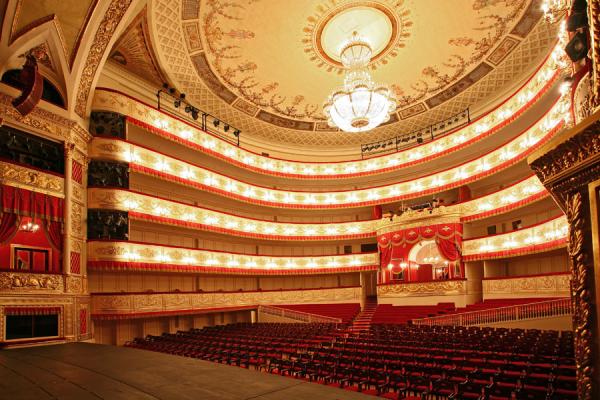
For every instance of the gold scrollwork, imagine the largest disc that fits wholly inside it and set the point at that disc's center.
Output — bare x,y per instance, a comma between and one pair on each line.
27,281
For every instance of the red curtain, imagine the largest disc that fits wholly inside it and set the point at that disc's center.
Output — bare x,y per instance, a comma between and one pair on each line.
9,225
54,234
449,248
32,204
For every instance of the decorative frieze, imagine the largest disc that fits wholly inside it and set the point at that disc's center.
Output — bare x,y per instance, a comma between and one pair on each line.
169,302
30,282
553,285
437,288
31,179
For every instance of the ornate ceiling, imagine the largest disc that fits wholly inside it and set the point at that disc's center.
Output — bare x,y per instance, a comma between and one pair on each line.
266,66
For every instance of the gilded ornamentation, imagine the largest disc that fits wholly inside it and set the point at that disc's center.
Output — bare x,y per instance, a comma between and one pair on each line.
104,34
572,152
171,302
594,23
422,289
74,284
580,294
27,281
551,286
38,181
77,219
582,99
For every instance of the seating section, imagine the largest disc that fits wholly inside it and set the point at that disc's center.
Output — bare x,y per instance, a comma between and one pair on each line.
389,314
345,311
393,361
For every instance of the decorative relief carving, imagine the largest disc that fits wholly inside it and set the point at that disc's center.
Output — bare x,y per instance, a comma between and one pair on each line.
38,181
104,34
74,284
27,281
442,288
164,302
55,126
76,219
568,154
582,99
550,285
581,295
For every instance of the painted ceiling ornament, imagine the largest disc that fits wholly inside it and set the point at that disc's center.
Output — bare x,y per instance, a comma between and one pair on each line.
386,21
361,104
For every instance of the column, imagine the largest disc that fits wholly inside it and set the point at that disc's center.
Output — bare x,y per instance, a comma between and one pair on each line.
68,229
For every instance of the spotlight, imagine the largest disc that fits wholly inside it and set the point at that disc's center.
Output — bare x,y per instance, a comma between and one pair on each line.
165,86
195,113
577,47
236,132
171,90
226,128
216,122
188,109
178,101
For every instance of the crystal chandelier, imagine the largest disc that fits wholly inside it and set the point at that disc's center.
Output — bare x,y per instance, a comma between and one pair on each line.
360,105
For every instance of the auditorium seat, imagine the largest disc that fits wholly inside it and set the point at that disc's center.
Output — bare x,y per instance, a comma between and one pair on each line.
392,360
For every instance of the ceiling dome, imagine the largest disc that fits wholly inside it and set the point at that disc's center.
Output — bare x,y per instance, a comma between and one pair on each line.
266,66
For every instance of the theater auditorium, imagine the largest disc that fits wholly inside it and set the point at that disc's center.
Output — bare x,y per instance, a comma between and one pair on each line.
299,199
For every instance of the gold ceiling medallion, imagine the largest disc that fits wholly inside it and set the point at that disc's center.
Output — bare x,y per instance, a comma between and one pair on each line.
384,23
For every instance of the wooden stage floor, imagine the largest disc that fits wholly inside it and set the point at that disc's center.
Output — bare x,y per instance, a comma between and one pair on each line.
82,371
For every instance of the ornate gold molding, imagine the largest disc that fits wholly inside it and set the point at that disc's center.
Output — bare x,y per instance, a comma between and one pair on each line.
31,179
115,12
413,219
52,125
548,285
168,302
581,295
442,288
28,282
566,166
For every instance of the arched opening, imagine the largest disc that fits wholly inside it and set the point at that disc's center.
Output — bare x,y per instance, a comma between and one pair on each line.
49,93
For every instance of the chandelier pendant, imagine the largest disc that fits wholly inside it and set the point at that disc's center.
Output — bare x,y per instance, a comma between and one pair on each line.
360,104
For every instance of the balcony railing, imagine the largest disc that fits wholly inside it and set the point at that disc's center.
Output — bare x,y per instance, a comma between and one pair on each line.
542,309
296,315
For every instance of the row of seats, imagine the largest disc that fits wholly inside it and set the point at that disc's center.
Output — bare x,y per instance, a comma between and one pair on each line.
393,360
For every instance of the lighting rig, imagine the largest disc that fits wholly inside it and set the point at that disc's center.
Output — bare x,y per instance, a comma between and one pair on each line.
182,107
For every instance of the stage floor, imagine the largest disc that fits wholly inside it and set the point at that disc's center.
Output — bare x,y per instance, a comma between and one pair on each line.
81,371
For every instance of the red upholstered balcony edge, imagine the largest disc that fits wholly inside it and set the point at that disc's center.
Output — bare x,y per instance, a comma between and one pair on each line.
196,225
509,207
532,249
438,189
420,282
102,316
516,230
139,266
526,276
215,154
223,291
222,251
